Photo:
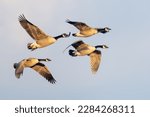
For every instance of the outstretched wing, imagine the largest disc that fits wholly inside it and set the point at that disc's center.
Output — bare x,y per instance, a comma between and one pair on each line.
78,43
31,29
43,70
79,25
80,46
95,59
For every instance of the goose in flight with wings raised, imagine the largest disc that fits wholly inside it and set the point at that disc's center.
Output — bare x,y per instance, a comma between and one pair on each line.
41,39
82,49
85,30
36,65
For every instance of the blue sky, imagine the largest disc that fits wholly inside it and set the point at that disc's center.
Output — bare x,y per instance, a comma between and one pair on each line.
124,70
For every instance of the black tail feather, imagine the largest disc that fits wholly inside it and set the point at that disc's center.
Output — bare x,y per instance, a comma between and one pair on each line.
72,53
70,22
53,81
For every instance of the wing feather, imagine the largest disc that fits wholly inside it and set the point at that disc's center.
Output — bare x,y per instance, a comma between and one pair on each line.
19,69
79,25
43,70
77,44
31,29
95,59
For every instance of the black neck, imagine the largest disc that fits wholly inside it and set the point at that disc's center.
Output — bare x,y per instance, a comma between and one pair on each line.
42,59
59,36
102,30
99,46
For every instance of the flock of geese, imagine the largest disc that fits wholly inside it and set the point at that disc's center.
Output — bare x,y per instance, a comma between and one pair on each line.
43,40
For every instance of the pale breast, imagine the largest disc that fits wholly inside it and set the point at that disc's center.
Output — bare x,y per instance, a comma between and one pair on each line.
89,32
46,41
86,50
30,62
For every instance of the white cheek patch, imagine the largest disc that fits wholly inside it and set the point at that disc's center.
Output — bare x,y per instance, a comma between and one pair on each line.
107,29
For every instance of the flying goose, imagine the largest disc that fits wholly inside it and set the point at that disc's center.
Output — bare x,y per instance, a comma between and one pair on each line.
41,39
35,64
82,49
85,30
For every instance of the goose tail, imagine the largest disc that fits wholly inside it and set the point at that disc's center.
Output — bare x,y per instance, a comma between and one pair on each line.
72,53
31,46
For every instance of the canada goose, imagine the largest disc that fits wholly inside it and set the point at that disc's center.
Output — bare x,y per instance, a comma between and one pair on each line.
41,39
83,49
35,64
85,30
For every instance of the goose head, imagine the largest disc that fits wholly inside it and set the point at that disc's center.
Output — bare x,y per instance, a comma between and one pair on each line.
64,35
107,29
47,59
105,46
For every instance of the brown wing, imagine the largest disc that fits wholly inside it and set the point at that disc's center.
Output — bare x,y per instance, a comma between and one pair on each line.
31,29
79,25
78,43
43,70
95,59
80,46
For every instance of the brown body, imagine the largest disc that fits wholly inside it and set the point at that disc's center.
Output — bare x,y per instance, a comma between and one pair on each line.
82,49
36,65
41,39
85,30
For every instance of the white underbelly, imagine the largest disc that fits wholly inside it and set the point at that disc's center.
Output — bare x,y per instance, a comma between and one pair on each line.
87,51
45,42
